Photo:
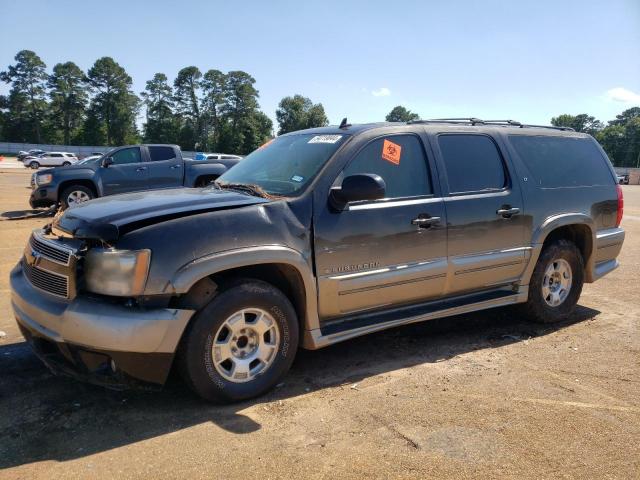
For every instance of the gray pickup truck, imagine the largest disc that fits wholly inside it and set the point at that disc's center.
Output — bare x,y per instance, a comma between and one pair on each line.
320,236
124,169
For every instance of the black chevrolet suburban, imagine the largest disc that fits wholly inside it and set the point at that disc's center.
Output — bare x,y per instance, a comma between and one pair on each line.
317,237
123,169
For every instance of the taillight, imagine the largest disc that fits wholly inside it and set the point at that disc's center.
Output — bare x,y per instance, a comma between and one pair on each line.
620,205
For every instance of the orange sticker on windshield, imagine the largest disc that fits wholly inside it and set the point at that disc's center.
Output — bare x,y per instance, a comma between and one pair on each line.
391,152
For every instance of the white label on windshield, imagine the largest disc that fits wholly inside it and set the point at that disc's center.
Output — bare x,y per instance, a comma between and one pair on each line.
325,139
297,178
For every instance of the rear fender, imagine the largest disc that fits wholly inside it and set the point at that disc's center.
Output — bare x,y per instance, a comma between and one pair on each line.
549,225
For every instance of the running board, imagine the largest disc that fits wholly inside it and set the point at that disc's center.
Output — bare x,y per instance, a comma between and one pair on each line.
364,324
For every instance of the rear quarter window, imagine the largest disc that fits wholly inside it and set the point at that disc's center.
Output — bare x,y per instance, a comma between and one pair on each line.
562,161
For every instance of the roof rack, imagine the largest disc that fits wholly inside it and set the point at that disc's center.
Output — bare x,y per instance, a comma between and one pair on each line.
473,121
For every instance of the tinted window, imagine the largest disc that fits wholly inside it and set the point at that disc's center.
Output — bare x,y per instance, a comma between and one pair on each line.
472,163
228,157
158,154
126,155
56,155
401,163
562,161
68,155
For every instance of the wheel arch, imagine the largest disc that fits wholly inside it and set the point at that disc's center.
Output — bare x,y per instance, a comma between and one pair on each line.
84,182
576,227
195,172
280,266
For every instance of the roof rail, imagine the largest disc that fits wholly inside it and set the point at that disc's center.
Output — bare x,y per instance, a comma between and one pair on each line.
477,121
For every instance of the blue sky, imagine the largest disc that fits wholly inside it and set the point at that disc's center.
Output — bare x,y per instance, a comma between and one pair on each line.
490,59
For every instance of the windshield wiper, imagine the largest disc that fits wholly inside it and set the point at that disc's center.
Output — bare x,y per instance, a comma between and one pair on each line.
249,188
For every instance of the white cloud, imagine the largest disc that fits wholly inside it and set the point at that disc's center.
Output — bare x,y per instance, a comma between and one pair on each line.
381,92
623,95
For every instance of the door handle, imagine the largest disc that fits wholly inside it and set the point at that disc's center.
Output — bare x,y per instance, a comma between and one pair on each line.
173,167
507,211
141,169
424,221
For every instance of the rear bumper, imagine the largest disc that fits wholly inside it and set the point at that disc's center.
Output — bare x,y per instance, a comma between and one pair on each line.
86,337
608,245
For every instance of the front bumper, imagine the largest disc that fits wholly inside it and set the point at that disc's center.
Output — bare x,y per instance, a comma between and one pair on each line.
43,196
86,337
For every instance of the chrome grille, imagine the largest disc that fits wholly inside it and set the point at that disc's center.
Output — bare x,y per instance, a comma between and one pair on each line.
50,251
47,281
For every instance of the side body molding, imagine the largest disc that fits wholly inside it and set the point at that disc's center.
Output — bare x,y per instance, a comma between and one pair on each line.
552,223
197,269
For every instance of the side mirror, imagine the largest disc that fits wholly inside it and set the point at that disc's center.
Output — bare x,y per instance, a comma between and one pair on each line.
107,161
354,188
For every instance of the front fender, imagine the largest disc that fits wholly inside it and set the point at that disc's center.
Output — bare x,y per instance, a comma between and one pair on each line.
61,177
202,267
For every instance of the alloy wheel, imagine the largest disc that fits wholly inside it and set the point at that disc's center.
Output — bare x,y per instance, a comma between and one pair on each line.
556,283
77,197
245,345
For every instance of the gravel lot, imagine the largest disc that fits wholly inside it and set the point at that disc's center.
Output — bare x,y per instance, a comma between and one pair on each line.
484,395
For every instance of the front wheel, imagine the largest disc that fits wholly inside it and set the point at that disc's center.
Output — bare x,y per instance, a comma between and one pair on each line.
34,165
75,195
241,344
66,164
556,283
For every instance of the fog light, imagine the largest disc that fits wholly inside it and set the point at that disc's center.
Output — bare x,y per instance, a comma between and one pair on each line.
113,366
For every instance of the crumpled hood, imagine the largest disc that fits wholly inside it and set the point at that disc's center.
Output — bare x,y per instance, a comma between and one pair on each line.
109,217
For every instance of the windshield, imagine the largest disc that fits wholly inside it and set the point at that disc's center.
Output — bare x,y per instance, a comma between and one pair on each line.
89,160
285,165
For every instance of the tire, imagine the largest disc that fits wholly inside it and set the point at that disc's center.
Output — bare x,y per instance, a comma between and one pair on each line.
66,164
79,192
34,165
216,373
547,303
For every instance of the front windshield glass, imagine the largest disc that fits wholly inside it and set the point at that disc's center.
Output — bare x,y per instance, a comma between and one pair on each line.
89,160
285,165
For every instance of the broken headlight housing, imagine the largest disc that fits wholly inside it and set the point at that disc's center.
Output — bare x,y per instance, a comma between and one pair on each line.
122,273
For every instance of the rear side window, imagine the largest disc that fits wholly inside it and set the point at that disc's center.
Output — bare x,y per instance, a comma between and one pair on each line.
158,154
399,160
562,161
56,155
472,163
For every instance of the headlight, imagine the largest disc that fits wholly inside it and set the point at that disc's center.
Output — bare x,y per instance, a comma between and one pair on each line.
44,178
122,273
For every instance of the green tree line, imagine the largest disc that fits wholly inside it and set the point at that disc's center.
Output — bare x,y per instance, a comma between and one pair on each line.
620,137
210,111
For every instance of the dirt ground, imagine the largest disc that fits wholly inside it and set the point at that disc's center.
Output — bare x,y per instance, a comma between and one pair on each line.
483,395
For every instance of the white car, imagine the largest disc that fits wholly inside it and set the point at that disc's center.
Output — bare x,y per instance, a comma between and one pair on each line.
50,159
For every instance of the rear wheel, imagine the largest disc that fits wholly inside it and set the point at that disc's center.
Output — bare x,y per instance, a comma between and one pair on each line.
556,283
75,195
34,165
66,164
241,344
